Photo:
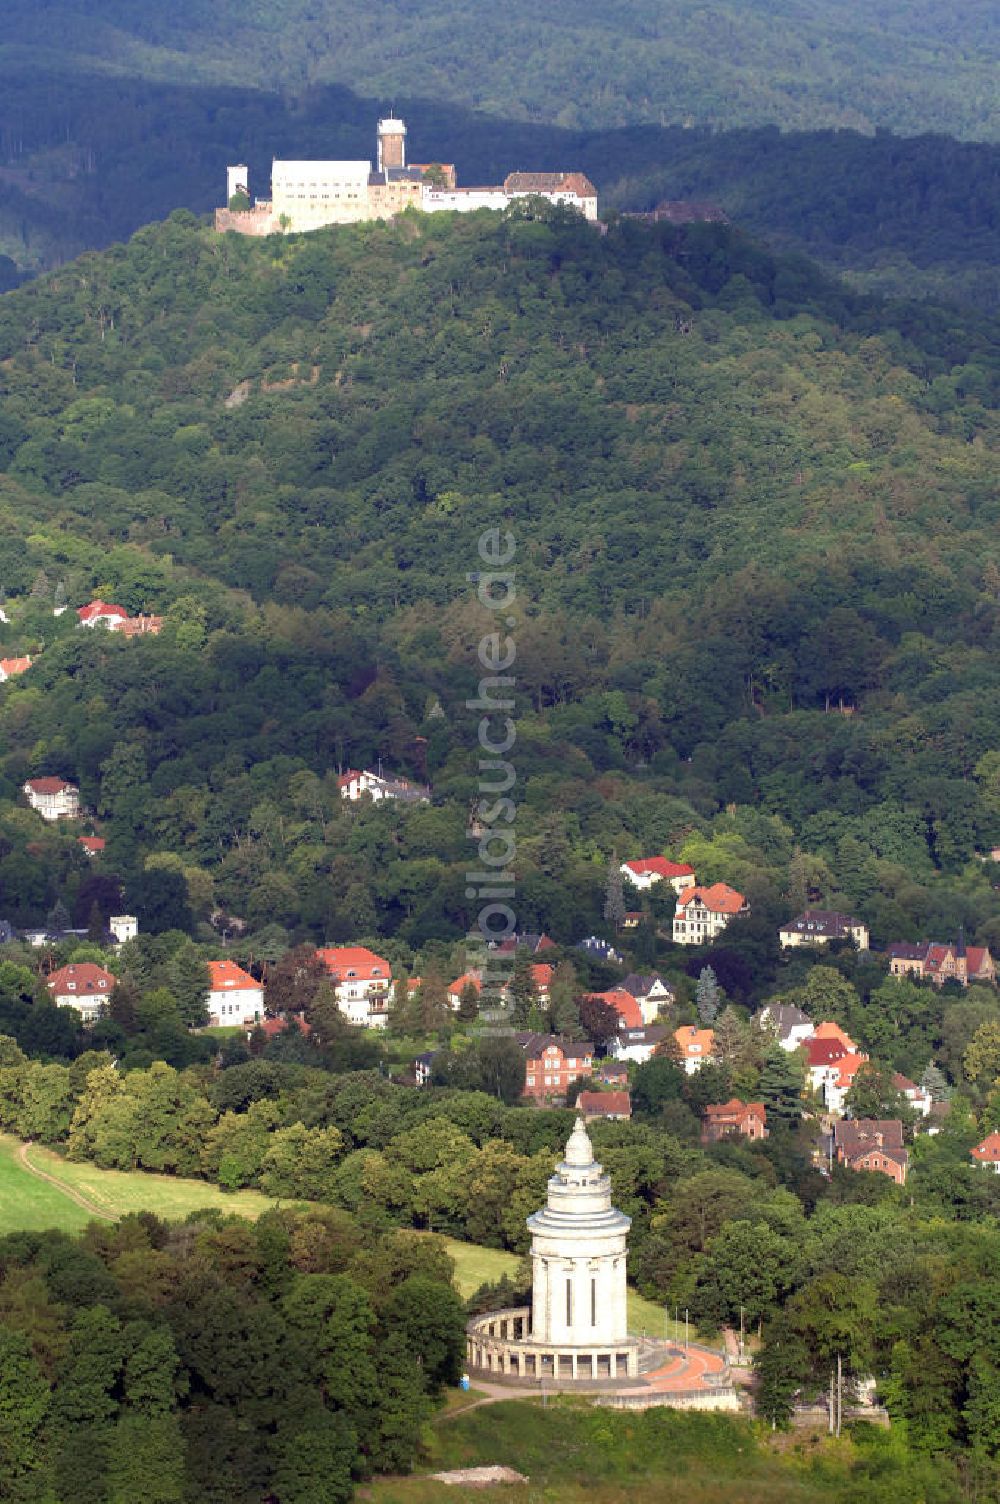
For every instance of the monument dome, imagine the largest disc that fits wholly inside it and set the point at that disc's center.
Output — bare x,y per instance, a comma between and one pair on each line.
577,1327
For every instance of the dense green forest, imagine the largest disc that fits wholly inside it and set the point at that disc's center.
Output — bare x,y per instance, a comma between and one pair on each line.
86,160
796,63
219,1361
744,501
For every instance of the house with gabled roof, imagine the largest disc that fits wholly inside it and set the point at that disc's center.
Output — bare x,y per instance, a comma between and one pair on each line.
98,613
872,1144
733,1119
92,845
988,1152
458,986
552,1063
694,1046
362,983
819,927
644,871
702,913
82,986
638,1045
53,798
614,1105
931,961
235,998
651,992
11,668
624,1004
378,786
789,1025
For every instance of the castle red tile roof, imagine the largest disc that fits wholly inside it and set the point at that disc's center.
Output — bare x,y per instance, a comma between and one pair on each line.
549,182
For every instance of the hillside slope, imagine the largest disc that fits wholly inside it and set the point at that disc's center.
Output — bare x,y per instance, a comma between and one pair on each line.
740,496
905,64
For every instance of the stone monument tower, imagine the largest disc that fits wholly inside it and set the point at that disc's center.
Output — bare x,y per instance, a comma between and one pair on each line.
578,1319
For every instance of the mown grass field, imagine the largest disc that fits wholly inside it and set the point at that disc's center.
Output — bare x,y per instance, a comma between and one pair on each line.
575,1453
27,1202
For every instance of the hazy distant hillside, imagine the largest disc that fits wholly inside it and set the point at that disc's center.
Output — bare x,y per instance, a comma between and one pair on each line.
908,64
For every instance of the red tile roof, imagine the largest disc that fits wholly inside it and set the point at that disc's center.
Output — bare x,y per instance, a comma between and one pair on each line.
226,976
694,1044
735,1110
83,979
848,1067
823,1051
719,898
467,979
356,961
48,785
661,866
98,609
93,844
274,1026
11,666
605,1104
542,974
829,1030
988,1152
624,1004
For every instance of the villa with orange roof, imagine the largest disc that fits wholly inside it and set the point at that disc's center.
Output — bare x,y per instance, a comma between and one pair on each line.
362,983
702,913
235,998
11,667
645,871
694,1047
988,1152
53,798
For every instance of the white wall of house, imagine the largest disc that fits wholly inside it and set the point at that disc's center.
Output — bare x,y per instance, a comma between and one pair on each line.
229,1006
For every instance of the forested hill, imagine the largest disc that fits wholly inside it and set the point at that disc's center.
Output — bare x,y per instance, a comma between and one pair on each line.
740,496
86,159
907,64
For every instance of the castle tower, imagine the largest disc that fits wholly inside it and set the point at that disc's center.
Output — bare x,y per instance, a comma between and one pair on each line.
578,1254
391,144
237,180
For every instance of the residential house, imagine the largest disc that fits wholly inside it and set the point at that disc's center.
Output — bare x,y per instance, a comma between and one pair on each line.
82,986
842,1079
271,1028
53,798
648,870
615,1105
872,1144
821,1056
92,845
552,1064
602,949
423,1066
633,919
612,1073
138,626
829,1030
820,926
533,944
921,1101
235,998
101,614
703,913
541,977
458,986
354,784
942,963
652,994
694,1047
734,1119
10,668
624,1004
988,1152
123,927
362,983
638,1045
789,1025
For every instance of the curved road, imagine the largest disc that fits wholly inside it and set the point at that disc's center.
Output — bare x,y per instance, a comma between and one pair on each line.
88,1206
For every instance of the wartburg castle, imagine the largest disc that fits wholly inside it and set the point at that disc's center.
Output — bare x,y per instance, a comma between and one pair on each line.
309,195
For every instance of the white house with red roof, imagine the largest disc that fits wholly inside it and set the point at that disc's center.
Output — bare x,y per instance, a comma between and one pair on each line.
92,845
651,992
362,982
10,668
354,784
921,1101
647,870
458,986
235,998
541,977
988,1152
695,1046
703,912
82,986
101,614
53,798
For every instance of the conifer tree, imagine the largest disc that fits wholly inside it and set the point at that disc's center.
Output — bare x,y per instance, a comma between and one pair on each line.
521,988
708,996
935,1083
614,895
